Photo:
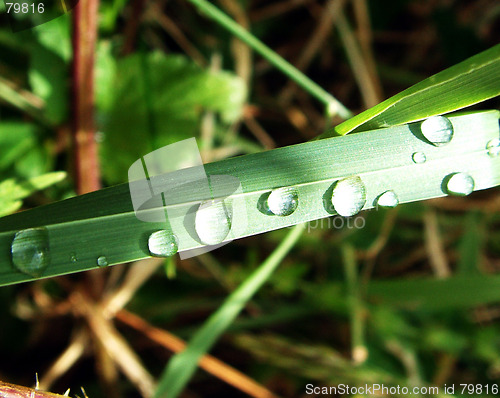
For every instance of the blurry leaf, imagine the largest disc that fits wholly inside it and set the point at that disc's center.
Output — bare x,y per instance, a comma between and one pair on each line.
36,161
392,324
487,344
287,280
105,71
48,79
11,190
49,66
7,207
15,139
55,36
157,100
470,246
443,339
109,11
458,292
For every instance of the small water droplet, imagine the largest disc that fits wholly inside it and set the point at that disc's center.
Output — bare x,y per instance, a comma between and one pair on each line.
493,147
388,199
212,221
438,130
73,257
30,251
459,184
283,201
349,196
163,243
419,157
102,261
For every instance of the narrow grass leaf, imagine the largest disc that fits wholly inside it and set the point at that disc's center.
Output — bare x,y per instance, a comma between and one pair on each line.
458,292
322,175
332,105
470,245
183,365
474,80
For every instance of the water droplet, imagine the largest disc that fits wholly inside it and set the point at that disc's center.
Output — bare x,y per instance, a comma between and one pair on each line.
163,243
102,261
493,147
30,251
212,221
349,196
419,157
283,201
73,257
459,184
388,199
438,130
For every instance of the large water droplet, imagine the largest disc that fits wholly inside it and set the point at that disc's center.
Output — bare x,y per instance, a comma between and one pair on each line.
419,157
493,147
163,243
349,196
283,201
459,184
212,222
102,261
388,199
73,257
30,251
438,130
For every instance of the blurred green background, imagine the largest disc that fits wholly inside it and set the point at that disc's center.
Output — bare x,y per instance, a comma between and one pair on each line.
407,296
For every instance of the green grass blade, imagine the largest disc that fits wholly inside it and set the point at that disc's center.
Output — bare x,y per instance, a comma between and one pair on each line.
471,245
103,223
474,80
458,292
182,366
333,106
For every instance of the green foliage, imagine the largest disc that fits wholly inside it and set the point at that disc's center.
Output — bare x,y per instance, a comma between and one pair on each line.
155,100
312,314
12,191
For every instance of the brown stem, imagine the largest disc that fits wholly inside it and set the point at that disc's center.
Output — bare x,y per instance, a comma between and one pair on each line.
14,391
207,362
84,41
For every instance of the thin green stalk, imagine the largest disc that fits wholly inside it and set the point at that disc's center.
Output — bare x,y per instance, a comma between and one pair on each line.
183,365
332,105
359,352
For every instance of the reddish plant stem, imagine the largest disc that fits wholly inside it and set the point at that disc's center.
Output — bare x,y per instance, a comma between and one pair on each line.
132,25
87,173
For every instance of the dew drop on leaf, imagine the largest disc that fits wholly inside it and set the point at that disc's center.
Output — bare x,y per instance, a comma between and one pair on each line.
493,147
102,261
349,196
459,184
30,251
212,221
388,199
419,157
283,201
438,130
162,243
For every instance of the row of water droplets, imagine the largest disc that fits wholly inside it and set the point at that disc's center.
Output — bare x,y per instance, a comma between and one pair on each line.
30,247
